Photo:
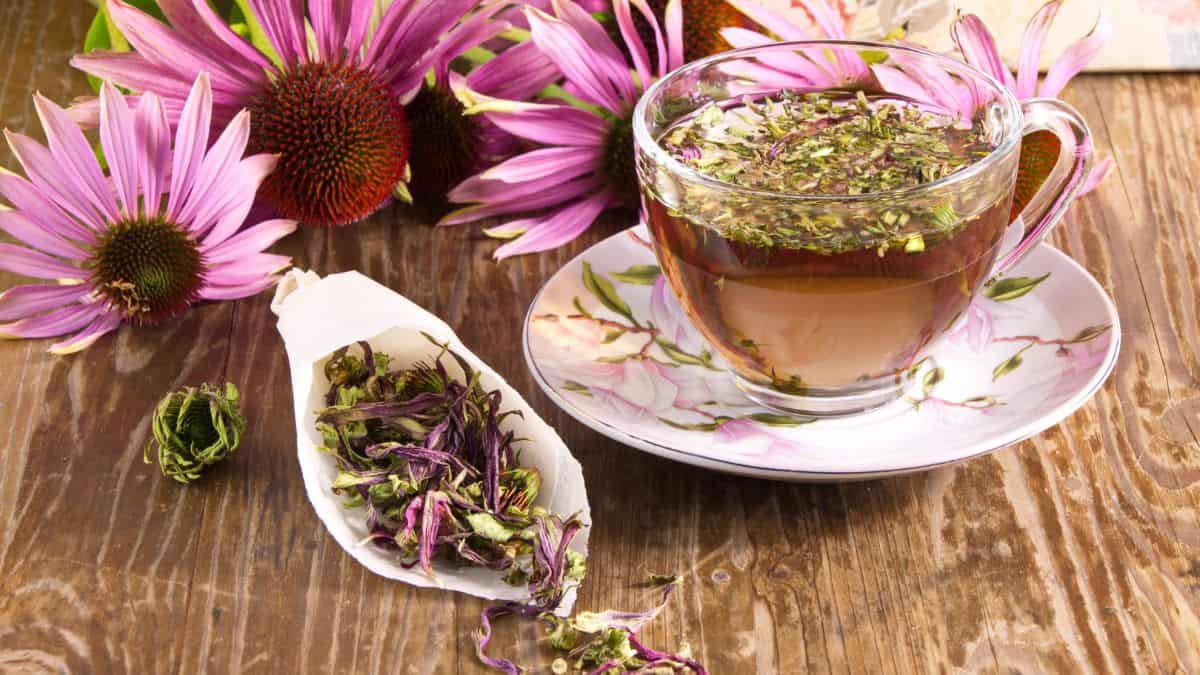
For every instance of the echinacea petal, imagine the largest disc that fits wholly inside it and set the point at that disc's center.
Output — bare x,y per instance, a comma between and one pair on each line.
389,33
230,214
1031,49
593,33
565,125
218,165
131,71
829,22
581,64
59,322
766,76
154,144
237,292
479,189
48,177
283,23
191,142
518,73
22,228
538,200
978,48
402,48
72,150
549,123
660,44
673,23
561,227
327,31
559,124
557,163
19,302
39,208
247,269
1099,172
512,229
98,328
781,27
476,29
118,141
896,81
196,18
798,62
177,50
944,89
250,241
1076,58
35,264
633,41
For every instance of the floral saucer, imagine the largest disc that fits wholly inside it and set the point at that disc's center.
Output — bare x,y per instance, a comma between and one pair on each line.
606,341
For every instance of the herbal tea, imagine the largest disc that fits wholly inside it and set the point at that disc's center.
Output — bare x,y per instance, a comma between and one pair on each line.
824,294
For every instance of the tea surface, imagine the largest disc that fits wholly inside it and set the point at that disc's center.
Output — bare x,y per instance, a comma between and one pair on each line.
817,144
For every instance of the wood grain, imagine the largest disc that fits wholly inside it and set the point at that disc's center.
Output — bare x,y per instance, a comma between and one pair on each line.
1076,551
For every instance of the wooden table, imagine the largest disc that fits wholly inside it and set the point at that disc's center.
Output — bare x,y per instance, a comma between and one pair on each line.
1076,551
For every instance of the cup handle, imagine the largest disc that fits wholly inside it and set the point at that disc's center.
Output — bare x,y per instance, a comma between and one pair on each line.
1064,122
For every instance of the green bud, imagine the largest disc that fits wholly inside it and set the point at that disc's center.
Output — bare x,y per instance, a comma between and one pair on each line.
194,429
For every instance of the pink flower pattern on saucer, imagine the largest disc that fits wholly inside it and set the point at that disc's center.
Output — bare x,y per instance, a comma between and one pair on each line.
607,341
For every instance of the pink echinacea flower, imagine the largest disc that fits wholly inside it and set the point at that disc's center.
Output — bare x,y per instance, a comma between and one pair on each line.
144,243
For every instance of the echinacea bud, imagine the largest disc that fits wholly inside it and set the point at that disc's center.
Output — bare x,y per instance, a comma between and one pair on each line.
195,428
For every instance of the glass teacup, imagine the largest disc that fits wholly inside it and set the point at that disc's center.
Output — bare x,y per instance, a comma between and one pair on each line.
824,292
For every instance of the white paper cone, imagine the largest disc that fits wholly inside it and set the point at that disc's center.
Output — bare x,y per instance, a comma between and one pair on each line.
316,317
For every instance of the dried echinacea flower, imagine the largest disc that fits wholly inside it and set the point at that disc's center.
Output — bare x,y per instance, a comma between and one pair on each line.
596,642
195,428
426,454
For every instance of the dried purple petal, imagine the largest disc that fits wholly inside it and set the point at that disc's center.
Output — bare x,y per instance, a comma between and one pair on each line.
655,656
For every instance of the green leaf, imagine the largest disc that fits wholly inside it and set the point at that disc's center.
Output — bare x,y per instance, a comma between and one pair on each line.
613,335
98,37
478,56
1090,333
679,356
777,420
916,367
579,308
573,386
1010,365
603,289
489,527
932,378
702,426
981,402
642,275
1012,288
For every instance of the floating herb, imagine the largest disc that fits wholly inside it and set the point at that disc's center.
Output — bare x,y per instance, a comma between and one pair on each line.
817,144
828,144
193,429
